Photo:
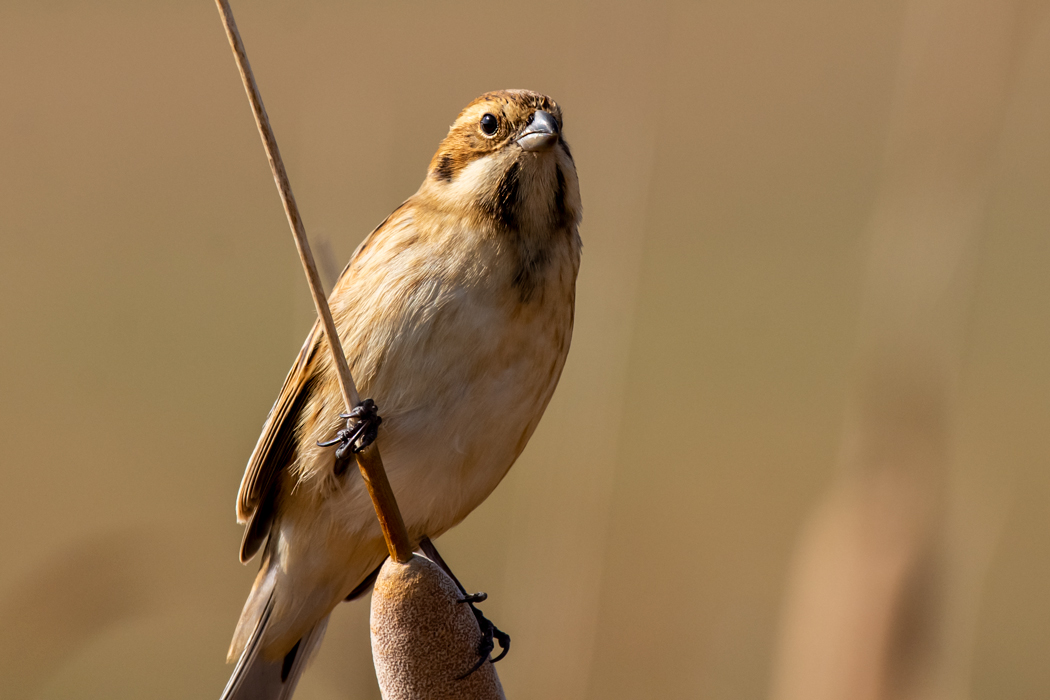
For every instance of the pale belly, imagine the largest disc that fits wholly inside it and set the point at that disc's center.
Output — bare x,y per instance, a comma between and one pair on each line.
460,396
446,442
461,368
470,408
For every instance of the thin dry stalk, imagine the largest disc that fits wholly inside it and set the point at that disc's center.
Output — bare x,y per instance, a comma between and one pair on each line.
369,460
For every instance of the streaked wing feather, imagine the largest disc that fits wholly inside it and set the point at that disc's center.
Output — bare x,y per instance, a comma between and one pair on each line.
277,442
276,446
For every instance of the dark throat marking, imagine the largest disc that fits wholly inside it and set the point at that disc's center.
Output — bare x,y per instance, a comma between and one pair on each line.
560,214
565,147
505,203
504,210
532,263
534,254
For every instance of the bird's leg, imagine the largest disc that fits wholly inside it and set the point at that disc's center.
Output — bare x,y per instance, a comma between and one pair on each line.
490,634
362,426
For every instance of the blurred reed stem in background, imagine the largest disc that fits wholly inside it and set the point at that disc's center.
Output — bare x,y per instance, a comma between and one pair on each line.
882,602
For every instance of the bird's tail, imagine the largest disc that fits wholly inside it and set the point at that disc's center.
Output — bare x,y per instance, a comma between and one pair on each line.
256,677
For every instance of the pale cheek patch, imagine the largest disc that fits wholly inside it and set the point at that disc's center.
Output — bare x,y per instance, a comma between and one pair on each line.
472,183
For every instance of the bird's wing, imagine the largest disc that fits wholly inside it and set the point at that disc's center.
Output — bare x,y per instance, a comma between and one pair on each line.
275,449
276,446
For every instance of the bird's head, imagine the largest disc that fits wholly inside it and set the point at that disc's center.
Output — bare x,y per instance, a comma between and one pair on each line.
505,160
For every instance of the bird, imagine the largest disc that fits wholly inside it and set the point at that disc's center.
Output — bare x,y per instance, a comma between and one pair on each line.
456,315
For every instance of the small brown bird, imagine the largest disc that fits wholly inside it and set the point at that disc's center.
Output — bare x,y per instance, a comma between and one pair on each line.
456,315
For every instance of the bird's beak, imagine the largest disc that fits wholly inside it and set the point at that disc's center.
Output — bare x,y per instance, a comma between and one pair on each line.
541,134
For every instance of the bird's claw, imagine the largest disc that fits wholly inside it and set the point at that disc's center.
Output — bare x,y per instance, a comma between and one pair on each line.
362,427
490,634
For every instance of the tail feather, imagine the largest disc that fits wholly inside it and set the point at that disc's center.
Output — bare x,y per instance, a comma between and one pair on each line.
237,686
296,660
257,678
255,608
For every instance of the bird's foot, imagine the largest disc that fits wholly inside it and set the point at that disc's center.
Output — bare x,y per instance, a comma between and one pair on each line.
362,427
490,634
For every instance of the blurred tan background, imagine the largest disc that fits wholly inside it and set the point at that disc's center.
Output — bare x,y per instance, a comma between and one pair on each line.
771,190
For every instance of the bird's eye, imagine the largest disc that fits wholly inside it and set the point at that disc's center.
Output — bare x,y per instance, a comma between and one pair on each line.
489,124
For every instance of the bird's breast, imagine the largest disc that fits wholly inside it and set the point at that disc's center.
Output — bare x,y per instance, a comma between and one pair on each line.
461,363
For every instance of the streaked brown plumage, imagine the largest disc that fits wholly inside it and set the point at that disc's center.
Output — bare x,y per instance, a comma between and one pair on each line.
456,315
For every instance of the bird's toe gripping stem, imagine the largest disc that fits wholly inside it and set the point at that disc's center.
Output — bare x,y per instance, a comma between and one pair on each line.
490,634
362,426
